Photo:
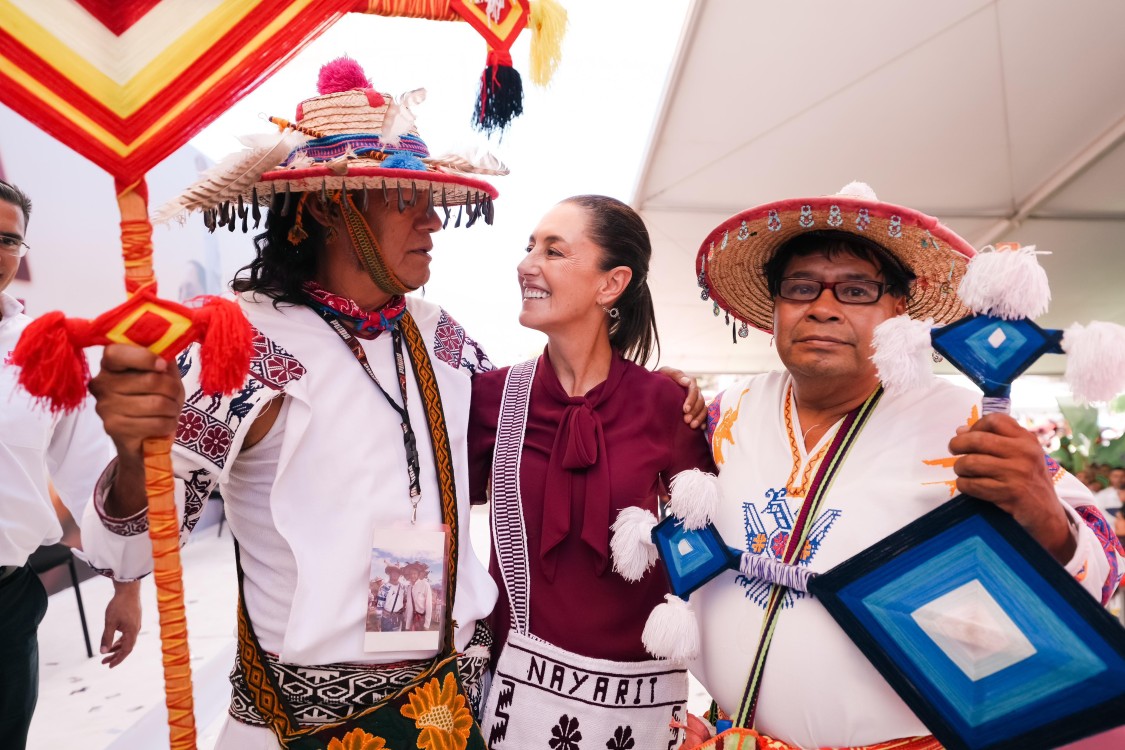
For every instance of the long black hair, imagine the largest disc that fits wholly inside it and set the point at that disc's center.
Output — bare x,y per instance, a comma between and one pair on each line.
280,268
623,238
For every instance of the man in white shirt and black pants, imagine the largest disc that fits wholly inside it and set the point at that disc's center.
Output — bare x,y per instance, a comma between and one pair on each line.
71,450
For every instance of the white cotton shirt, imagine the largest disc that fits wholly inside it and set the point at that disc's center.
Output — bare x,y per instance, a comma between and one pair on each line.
305,520
36,447
818,689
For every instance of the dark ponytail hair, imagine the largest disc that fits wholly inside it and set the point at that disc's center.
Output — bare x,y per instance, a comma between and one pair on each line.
280,268
623,238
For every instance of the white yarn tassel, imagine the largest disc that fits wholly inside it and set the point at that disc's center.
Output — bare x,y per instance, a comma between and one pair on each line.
671,631
631,544
1095,360
903,353
694,498
1008,284
857,189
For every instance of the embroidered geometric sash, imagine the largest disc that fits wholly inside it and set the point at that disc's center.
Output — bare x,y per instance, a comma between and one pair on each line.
268,698
509,537
798,536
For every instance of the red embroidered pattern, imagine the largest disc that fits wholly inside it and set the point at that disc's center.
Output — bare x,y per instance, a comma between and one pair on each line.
449,340
272,365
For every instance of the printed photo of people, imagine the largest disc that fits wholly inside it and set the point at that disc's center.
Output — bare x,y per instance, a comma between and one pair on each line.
405,603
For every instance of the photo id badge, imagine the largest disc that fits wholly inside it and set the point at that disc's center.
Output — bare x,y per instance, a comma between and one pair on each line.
406,601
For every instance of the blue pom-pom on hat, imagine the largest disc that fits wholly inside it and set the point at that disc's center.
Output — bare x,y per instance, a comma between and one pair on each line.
404,161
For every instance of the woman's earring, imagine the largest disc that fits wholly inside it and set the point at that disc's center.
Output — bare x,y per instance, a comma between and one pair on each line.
331,234
612,312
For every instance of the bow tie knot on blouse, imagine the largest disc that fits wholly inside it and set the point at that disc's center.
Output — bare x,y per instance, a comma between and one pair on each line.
581,429
578,472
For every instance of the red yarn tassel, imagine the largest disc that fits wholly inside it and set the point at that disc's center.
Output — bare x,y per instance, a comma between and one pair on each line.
227,346
52,365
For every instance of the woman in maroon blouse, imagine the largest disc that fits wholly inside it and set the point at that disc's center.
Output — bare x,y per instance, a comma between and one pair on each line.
602,434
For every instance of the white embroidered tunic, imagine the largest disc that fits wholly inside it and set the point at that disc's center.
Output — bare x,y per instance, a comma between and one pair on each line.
341,474
818,689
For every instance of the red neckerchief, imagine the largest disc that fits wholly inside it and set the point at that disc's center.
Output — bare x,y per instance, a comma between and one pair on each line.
361,322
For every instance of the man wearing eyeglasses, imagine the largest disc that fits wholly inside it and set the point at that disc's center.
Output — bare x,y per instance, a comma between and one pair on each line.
69,450
821,274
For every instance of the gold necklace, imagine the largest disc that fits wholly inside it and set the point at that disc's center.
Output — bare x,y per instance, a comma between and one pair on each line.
791,487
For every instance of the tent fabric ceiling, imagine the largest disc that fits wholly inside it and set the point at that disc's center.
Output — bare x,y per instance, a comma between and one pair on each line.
1004,118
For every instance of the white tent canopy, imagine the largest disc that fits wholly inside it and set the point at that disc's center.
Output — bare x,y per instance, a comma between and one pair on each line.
1004,118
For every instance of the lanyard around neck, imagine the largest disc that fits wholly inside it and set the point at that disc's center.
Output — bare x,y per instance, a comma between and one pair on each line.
413,468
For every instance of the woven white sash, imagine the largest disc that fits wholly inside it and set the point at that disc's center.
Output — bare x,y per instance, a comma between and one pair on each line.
542,695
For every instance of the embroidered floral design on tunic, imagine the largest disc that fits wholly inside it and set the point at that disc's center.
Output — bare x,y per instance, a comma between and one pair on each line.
357,739
479,362
767,533
439,712
1111,545
714,412
273,365
565,734
449,340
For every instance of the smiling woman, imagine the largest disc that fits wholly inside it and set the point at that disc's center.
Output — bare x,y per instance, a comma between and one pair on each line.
585,435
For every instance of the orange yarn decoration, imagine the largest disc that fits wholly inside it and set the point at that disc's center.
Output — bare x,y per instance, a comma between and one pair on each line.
164,531
136,234
164,524
434,10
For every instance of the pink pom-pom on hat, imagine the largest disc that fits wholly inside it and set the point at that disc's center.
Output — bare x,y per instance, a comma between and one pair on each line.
344,74
341,74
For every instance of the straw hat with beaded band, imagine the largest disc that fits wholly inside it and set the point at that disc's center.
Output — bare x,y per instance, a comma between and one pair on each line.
730,266
349,137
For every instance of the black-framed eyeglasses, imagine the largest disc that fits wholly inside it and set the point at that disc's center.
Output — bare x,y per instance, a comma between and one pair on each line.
13,246
849,292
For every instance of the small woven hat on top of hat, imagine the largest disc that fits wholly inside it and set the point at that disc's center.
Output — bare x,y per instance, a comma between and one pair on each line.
730,265
350,136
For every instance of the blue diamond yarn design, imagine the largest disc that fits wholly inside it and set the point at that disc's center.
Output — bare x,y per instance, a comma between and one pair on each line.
992,352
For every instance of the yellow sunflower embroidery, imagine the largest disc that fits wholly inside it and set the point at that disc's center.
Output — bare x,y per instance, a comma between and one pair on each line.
440,713
357,739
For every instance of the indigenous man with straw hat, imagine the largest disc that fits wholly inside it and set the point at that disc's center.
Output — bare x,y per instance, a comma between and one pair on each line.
351,422
816,463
